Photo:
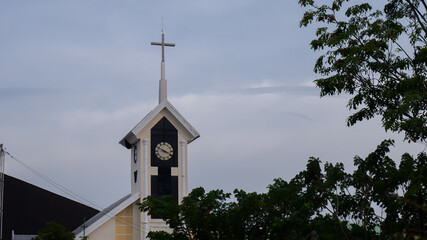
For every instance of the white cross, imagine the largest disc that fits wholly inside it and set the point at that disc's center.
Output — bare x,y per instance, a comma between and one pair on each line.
163,44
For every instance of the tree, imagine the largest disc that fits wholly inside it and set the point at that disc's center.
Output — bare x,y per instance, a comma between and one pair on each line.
377,201
54,231
412,177
201,215
378,56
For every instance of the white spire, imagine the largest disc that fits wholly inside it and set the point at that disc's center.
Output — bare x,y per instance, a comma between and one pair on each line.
163,83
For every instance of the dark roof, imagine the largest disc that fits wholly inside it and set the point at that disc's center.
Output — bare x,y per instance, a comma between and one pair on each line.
27,209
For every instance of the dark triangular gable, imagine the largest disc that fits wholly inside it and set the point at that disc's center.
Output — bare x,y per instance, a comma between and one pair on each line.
27,208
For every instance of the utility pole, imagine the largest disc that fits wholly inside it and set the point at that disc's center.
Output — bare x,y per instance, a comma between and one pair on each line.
1,188
84,237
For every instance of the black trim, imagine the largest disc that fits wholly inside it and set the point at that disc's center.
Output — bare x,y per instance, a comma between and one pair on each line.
164,131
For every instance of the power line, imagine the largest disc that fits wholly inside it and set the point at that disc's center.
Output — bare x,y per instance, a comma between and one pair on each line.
67,191
53,183
1,189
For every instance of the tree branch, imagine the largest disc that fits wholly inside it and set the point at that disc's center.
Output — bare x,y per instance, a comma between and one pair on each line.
407,55
417,14
424,3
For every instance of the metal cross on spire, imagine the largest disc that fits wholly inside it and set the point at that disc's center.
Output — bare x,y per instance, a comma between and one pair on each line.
163,44
163,82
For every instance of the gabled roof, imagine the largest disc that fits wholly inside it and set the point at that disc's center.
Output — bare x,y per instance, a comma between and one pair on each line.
131,138
106,214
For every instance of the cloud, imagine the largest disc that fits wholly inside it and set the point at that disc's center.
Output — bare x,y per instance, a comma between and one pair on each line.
220,6
249,139
13,92
88,118
277,87
306,90
246,141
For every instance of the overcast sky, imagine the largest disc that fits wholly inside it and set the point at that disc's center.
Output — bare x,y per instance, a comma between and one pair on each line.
76,76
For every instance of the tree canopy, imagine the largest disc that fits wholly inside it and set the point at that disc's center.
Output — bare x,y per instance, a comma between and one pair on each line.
378,200
378,56
54,231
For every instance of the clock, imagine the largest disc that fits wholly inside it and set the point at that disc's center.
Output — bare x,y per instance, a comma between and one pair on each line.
135,154
164,151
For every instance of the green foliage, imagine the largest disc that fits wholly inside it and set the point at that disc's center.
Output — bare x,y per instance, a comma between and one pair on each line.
54,231
377,201
377,56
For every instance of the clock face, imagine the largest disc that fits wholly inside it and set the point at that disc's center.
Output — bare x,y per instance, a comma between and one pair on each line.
135,154
164,151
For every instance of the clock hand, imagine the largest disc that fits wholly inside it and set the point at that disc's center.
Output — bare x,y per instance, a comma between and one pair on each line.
164,151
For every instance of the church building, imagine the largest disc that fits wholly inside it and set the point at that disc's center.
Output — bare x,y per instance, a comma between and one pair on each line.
159,166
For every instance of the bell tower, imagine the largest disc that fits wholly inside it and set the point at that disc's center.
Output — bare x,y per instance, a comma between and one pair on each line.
158,145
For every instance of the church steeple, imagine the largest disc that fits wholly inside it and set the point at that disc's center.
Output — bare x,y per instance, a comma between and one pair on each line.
158,167
163,82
